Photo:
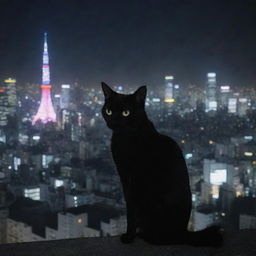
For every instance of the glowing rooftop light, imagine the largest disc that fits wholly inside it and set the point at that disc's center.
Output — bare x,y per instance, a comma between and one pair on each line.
248,137
10,80
36,137
156,99
211,75
169,100
248,153
169,77
242,100
65,86
225,87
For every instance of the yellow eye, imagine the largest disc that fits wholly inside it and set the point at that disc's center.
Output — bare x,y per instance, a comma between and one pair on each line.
109,112
126,113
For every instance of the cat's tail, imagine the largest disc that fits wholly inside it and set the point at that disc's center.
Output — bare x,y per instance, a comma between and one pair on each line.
210,236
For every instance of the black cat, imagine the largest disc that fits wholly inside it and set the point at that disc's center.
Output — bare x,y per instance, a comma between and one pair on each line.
153,174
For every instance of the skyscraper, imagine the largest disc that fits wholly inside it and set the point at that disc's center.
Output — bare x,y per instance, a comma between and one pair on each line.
224,94
3,106
8,100
168,97
211,101
10,85
46,111
65,96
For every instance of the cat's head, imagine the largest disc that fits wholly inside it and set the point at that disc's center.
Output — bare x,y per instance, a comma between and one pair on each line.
124,112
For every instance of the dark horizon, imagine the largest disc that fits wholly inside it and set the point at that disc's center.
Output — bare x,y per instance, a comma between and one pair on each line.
129,43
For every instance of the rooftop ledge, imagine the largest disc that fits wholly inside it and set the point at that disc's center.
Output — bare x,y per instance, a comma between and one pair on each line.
239,243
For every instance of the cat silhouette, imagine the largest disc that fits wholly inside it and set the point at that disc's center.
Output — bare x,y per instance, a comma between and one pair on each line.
153,175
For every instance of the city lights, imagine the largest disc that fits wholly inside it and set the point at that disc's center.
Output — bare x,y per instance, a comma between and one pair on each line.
195,117
32,193
248,153
211,75
10,80
169,77
218,177
189,155
225,88
169,100
65,86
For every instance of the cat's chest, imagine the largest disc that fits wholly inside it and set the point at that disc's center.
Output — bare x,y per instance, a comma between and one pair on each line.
130,147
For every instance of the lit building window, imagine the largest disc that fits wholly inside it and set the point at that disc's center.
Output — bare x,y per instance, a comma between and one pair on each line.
218,177
32,193
189,155
215,191
248,153
59,183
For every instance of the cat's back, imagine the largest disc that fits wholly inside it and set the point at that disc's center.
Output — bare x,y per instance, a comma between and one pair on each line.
165,146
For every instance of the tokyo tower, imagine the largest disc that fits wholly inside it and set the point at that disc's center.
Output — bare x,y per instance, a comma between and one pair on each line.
46,111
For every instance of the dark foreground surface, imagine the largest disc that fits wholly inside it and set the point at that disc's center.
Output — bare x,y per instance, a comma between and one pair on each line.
236,244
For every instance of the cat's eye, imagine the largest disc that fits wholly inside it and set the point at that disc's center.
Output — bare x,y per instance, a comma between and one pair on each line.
126,113
109,112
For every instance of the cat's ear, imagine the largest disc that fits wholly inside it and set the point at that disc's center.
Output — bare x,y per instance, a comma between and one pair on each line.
108,92
141,94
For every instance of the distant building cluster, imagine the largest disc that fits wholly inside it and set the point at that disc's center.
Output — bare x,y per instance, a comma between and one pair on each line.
57,177
32,221
213,96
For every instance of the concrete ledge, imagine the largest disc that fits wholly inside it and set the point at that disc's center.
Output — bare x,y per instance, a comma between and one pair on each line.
236,244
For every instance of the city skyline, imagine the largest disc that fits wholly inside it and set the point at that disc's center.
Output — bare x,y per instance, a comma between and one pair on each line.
65,169
131,43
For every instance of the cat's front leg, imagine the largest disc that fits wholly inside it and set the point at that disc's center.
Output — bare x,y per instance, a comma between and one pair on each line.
130,234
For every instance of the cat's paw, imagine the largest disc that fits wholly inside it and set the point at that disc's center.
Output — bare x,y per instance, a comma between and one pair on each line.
127,238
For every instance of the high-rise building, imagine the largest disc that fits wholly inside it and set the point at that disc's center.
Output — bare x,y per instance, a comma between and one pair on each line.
46,111
224,95
242,106
8,100
216,174
211,91
10,85
65,96
168,97
3,106
232,105
176,91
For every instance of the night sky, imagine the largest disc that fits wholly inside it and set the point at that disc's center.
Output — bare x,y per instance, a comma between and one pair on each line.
129,42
